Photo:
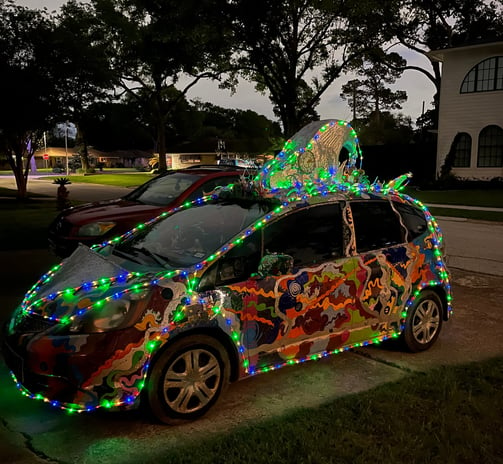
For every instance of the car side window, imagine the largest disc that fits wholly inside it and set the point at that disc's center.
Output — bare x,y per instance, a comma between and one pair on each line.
311,235
210,185
413,219
236,266
376,225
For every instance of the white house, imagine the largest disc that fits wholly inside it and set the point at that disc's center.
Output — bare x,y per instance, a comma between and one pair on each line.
471,108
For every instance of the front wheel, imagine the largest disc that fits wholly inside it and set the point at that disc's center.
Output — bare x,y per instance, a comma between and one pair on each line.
423,323
187,380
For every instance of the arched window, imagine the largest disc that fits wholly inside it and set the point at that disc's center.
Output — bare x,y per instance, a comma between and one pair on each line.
490,153
463,151
485,76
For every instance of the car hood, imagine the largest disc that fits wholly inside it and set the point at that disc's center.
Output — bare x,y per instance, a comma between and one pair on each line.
80,281
109,210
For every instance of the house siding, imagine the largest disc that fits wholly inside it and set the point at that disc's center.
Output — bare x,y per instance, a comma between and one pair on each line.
467,112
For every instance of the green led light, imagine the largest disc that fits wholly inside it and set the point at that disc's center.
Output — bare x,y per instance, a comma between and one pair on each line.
152,345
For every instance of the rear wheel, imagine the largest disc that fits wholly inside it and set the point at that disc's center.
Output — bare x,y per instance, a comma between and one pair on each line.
424,322
187,380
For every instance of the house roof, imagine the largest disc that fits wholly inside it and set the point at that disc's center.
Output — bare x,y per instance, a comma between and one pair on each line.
491,47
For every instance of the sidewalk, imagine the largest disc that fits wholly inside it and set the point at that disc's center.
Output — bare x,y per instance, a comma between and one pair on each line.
472,208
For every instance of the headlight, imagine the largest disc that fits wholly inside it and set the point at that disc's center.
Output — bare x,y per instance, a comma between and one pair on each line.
114,314
95,229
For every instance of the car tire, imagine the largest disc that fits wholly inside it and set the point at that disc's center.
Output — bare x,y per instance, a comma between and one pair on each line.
423,323
188,379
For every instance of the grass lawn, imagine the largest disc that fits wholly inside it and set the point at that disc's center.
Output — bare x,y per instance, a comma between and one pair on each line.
25,224
119,180
489,197
469,214
446,415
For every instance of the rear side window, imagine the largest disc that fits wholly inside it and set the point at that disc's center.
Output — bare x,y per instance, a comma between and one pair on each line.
413,219
376,225
311,235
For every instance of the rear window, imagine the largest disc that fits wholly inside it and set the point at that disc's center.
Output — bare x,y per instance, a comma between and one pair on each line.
413,219
163,190
376,225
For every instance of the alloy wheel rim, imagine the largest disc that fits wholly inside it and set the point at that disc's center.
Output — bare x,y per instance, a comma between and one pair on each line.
192,381
426,321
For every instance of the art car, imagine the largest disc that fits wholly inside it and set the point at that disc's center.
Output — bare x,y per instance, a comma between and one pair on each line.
308,260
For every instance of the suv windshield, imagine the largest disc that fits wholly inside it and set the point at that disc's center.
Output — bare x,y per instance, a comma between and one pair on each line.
189,236
162,190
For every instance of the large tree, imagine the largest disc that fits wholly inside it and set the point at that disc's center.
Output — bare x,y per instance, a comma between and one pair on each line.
84,75
161,49
295,49
29,96
369,94
436,24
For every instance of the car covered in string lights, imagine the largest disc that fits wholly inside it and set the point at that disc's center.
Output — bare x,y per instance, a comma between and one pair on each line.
94,223
308,260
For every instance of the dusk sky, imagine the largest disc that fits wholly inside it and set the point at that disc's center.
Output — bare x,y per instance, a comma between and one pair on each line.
418,87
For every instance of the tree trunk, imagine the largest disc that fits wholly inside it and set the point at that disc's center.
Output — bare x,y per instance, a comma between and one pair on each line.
20,175
161,146
21,183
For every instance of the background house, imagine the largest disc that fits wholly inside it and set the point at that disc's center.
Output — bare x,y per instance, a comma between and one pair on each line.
471,110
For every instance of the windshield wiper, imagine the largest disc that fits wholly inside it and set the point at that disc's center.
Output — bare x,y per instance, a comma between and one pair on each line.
123,254
157,258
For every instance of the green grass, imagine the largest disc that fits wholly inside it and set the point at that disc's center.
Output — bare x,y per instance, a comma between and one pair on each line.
489,197
119,180
25,224
448,415
468,214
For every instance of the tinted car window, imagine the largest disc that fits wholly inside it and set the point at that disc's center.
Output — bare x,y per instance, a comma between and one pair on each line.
311,235
164,189
413,219
376,225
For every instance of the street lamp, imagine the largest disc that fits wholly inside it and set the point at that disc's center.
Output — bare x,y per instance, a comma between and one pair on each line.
66,145
45,150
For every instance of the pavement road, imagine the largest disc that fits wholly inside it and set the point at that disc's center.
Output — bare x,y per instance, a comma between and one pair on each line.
33,432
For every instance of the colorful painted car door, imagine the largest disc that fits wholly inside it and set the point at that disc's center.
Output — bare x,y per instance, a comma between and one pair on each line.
293,313
384,264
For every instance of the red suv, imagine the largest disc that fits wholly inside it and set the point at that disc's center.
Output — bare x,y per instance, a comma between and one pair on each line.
99,221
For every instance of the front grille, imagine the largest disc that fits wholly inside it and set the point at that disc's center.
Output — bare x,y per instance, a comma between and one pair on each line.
31,323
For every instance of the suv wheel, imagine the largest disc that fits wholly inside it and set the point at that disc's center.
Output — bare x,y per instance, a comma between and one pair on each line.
424,322
187,380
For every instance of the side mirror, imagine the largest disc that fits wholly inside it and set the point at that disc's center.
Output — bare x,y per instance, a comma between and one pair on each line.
275,264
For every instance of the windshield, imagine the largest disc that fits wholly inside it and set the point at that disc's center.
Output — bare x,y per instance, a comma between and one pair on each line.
189,236
163,190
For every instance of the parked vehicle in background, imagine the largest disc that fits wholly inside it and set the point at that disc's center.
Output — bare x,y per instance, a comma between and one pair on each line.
96,222
238,162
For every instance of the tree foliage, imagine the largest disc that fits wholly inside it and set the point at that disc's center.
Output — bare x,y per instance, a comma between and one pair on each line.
295,49
84,74
371,94
242,131
154,45
29,100
437,24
